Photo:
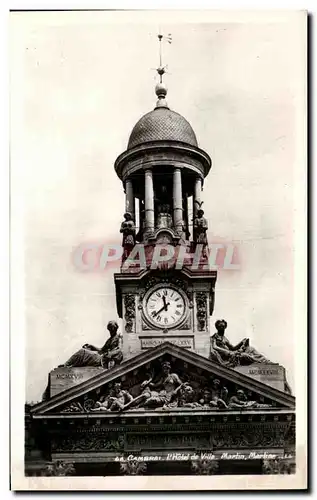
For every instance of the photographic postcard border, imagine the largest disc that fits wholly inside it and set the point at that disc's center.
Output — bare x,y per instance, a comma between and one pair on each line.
162,483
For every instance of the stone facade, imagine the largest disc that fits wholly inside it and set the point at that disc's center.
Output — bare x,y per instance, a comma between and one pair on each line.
193,435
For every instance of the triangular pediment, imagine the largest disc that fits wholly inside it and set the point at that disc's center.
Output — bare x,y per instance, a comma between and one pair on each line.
191,369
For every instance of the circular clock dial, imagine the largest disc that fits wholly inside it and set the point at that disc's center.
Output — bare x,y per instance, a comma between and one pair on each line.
165,307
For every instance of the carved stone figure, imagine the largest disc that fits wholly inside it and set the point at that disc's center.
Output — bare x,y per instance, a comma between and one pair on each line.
160,393
249,355
183,396
205,398
164,218
219,395
240,400
107,356
162,202
184,234
116,400
128,234
187,397
223,352
200,228
74,407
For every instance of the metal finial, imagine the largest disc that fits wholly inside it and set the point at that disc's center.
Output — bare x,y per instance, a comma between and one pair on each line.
162,69
160,88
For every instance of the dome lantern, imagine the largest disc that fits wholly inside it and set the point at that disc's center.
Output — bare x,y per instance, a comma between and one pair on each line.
161,169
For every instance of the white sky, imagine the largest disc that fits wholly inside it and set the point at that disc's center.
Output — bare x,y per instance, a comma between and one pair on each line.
79,82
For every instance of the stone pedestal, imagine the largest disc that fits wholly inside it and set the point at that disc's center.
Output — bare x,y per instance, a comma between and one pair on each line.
64,378
270,374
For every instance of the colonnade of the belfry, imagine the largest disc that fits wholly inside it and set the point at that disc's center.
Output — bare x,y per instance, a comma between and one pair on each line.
149,197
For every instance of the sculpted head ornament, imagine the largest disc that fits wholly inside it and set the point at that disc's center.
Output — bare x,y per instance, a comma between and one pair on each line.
221,323
112,326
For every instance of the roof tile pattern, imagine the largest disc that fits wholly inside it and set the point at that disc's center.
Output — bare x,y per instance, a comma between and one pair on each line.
162,124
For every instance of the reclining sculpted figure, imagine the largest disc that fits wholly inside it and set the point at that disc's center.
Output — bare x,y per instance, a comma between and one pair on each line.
223,352
107,356
115,401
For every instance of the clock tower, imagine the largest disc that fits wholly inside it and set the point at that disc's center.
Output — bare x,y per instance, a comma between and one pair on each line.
165,289
170,391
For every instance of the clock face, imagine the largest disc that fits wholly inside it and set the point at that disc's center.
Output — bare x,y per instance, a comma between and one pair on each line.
165,307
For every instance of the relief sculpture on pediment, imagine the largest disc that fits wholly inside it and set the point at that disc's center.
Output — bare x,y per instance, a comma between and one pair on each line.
167,388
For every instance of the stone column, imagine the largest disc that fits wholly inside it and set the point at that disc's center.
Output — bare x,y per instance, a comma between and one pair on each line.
129,198
149,201
197,195
177,200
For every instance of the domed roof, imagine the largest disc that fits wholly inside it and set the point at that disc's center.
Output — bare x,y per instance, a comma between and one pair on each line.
162,124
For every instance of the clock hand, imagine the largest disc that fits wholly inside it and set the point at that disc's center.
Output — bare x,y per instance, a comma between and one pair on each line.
165,305
160,310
